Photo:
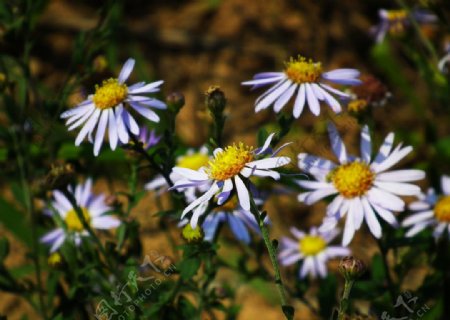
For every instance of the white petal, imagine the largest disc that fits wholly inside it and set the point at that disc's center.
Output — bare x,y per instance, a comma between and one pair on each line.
312,100
191,174
79,120
330,100
334,91
299,102
242,192
366,145
358,212
385,214
297,233
341,74
130,122
145,112
337,144
269,163
371,219
417,217
266,144
385,199
290,259
58,242
385,148
100,132
146,88
88,127
416,229
271,96
121,129
445,184
419,206
112,130
205,197
314,184
349,229
392,159
401,175
105,222
318,195
126,70
398,188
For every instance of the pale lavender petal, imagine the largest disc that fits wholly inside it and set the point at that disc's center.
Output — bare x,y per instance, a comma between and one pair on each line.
445,185
284,98
312,100
89,126
272,96
145,112
299,102
337,144
148,88
238,228
401,175
242,192
105,222
365,144
126,70
112,130
100,132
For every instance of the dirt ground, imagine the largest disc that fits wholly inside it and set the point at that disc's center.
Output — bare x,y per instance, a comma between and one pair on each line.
195,44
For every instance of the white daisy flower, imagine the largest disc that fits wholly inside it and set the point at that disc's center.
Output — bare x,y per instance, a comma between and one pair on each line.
93,208
363,185
228,171
396,22
107,108
313,249
194,160
303,79
432,211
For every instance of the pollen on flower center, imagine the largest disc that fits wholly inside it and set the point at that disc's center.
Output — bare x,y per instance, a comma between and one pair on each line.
109,94
193,161
442,210
302,71
311,245
72,221
352,179
229,162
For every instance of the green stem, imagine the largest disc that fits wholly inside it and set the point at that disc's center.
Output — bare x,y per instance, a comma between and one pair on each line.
343,306
272,254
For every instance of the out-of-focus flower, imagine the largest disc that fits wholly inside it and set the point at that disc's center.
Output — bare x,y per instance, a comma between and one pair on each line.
55,260
225,173
303,79
148,138
363,185
107,108
193,160
396,22
93,209
442,65
431,211
231,213
313,249
370,93
100,63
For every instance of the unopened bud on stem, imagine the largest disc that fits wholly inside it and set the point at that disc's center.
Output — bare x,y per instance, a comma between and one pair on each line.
351,268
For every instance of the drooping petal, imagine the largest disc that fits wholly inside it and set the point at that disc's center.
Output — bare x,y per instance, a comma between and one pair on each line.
299,102
242,192
105,222
313,104
145,112
102,123
337,144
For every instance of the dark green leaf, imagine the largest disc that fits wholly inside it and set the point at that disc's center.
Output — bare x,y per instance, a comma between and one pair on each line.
14,221
189,267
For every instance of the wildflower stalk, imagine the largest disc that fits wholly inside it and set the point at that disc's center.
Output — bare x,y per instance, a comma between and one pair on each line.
287,310
343,305
390,282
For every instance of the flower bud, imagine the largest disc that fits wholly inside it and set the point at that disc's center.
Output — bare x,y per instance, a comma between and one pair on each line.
351,268
192,235
175,101
215,100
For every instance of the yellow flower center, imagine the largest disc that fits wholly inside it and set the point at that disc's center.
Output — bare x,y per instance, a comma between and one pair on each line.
109,94
228,206
229,162
352,179
396,15
193,161
302,71
73,223
397,20
442,210
192,235
311,245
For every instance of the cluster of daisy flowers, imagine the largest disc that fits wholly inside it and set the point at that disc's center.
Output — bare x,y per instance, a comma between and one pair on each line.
218,187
